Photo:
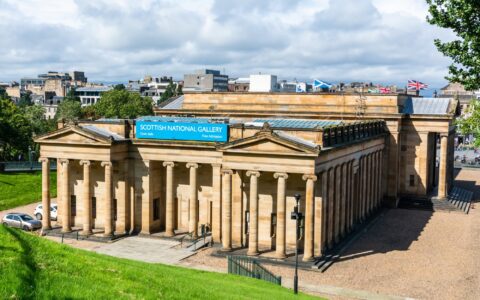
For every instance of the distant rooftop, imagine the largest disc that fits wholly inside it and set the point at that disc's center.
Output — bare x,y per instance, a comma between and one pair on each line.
94,89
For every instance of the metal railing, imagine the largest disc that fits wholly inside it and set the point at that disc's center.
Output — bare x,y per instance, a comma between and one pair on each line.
249,267
12,166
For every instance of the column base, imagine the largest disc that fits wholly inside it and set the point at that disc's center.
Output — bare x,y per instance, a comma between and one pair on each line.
66,230
169,233
308,259
253,253
226,249
46,227
86,232
280,256
107,235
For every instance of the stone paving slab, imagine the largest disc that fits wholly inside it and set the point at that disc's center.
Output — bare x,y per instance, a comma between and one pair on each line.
146,249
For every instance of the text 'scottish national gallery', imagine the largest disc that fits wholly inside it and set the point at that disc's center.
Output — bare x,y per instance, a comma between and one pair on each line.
234,161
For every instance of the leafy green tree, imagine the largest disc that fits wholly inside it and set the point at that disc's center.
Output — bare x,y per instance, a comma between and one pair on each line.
69,110
469,122
25,99
119,87
3,93
463,17
170,92
123,104
88,112
36,115
15,131
179,89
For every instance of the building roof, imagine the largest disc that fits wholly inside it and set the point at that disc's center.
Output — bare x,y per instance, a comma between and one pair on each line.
173,103
94,89
298,123
295,139
426,106
103,132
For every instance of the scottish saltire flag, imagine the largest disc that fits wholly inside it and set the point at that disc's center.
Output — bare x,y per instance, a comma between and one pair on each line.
318,84
416,85
300,88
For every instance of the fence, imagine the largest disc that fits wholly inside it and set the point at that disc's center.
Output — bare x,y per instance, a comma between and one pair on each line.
15,166
249,267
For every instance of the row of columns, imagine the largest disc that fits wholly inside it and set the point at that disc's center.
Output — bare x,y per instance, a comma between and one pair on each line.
350,192
64,195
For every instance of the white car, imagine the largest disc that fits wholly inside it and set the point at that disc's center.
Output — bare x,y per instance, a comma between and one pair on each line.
39,212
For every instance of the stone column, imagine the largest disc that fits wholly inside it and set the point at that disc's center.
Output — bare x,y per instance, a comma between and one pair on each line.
344,204
281,214
46,224
193,220
66,215
309,217
216,205
253,227
108,211
325,203
86,199
442,171
331,207
227,210
338,201
169,205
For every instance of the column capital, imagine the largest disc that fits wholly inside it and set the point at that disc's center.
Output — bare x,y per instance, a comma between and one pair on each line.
309,177
43,159
280,175
168,164
215,165
227,172
192,165
253,173
84,162
64,161
106,164
444,135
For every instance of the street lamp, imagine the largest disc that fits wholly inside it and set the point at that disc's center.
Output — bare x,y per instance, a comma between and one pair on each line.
297,216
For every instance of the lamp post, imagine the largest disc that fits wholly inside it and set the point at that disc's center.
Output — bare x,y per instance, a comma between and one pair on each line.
297,216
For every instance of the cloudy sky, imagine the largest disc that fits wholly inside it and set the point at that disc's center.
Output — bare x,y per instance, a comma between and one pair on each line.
385,41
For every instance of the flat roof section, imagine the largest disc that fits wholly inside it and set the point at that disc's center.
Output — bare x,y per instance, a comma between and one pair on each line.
298,123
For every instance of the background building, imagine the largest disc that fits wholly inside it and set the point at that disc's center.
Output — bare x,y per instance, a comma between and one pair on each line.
206,80
91,95
263,83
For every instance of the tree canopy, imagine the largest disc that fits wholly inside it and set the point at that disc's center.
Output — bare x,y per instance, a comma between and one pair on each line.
15,130
123,104
463,17
69,110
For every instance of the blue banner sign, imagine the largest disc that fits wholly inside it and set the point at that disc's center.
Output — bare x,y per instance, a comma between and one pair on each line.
208,132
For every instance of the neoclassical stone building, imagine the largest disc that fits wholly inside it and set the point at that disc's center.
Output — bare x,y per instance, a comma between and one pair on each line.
234,161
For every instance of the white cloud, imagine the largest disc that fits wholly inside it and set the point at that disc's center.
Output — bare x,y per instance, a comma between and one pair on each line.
336,40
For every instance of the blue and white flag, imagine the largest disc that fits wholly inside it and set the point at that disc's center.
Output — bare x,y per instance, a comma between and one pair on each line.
320,85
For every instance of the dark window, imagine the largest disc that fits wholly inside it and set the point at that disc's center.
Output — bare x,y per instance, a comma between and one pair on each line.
114,209
403,148
73,205
94,207
156,209
412,180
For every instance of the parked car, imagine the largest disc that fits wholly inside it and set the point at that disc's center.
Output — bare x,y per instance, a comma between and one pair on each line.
38,213
22,221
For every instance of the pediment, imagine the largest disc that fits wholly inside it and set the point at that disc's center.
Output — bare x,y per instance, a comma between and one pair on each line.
271,143
73,135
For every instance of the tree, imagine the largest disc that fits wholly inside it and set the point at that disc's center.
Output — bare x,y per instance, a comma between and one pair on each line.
69,110
15,131
123,104
3,93
469,122
119,87
25,99
36,115
463,17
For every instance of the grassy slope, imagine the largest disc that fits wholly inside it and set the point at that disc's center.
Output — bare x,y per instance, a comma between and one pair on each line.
23,188
32,267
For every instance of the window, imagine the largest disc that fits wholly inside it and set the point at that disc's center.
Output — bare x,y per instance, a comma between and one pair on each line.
114,209
94,207
73,205
156,209
412,180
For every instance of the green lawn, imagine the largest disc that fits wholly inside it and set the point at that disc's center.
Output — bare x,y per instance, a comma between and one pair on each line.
23,188
34,268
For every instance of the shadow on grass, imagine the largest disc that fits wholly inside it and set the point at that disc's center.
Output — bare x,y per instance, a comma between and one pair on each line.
27,290
7,183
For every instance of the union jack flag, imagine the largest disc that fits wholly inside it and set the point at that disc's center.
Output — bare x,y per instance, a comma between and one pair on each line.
385,90
416,85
